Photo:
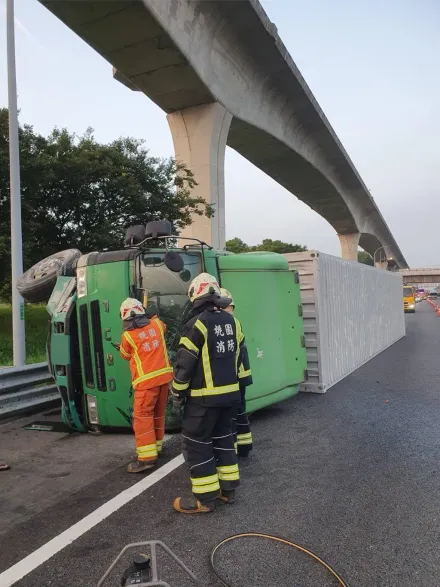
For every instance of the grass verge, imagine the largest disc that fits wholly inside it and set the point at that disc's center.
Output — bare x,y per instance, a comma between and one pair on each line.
36,323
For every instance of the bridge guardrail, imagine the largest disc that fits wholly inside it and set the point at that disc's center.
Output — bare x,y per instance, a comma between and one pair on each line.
24,389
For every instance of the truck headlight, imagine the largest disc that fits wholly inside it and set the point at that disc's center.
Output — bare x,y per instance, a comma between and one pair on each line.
92,409
81,282
411,306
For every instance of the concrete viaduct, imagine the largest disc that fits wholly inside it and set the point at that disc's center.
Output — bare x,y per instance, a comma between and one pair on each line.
223,76
428,278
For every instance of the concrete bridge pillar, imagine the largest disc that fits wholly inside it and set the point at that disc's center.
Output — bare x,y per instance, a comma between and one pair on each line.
349,245
199,137
382,264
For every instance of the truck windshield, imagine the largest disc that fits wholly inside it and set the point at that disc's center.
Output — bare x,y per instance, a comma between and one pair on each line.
168,291
407,291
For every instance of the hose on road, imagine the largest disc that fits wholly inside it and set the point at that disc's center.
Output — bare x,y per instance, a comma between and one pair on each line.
276,539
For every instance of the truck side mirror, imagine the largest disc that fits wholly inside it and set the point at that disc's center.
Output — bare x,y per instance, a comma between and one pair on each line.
173,261
134,235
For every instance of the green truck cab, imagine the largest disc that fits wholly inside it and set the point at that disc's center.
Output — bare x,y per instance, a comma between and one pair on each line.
94,381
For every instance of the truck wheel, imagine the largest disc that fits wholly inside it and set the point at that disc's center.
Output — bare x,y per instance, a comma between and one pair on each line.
37,284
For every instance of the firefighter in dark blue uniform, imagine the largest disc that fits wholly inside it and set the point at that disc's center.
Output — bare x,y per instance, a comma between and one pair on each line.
206,375
241,427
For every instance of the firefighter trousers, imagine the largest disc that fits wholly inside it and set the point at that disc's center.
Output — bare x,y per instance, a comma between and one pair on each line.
241,427
208,448
149,421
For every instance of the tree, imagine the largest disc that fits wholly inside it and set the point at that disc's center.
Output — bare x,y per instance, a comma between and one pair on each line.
278,247
236,245
79,193
365,258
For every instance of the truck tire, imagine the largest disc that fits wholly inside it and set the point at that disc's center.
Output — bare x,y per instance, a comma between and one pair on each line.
37,284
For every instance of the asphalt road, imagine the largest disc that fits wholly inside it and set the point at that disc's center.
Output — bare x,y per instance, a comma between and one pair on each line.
354,475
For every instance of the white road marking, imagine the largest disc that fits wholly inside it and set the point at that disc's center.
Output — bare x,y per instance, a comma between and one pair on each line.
48,550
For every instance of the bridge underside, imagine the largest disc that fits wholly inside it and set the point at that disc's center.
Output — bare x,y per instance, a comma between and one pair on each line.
184,55
293,172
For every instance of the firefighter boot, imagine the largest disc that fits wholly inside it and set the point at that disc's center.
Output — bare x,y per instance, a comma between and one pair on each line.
140,466
243,451
227,496
191,505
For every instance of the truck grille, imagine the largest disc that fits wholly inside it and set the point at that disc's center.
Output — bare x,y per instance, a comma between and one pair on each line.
95,312
86,349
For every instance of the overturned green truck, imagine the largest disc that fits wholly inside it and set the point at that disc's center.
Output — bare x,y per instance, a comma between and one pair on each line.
86,292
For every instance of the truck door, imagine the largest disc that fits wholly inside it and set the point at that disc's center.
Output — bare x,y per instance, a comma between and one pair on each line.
104,281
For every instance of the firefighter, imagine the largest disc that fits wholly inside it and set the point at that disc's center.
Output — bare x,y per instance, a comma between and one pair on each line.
205,374
143,344
240,423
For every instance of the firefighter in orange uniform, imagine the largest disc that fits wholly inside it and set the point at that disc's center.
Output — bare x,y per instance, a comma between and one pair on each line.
143,344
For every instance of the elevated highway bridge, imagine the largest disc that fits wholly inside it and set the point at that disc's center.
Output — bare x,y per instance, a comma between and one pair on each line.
223,76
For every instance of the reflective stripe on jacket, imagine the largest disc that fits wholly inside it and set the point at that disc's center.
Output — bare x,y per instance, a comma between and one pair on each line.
208,358
244,367
146,350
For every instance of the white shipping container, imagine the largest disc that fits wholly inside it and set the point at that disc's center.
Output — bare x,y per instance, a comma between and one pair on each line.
352,312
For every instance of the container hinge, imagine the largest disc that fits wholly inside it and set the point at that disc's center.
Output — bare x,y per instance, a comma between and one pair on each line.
306,375
303,341
300,310
112,384
106,305
296,274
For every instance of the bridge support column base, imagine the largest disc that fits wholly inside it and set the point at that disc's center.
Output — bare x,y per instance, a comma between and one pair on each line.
382,265
199,137
349,245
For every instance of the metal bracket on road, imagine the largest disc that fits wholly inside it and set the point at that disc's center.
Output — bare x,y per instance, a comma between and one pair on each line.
156,582
25,389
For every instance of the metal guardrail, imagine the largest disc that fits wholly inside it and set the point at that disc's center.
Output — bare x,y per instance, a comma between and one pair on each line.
26,389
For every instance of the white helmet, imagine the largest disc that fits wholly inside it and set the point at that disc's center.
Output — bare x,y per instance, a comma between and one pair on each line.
131,307
203,285
225,293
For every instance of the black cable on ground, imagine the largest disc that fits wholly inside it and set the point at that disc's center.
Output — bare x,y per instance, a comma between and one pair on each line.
276,539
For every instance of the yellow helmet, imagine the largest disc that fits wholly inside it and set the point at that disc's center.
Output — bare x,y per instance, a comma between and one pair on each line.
203,285
131,307
225,293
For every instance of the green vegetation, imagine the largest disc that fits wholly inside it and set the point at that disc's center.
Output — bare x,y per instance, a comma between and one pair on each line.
236,245
36,334
79,193
365,258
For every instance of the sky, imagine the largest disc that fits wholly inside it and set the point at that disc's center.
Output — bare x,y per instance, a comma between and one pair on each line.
373,66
